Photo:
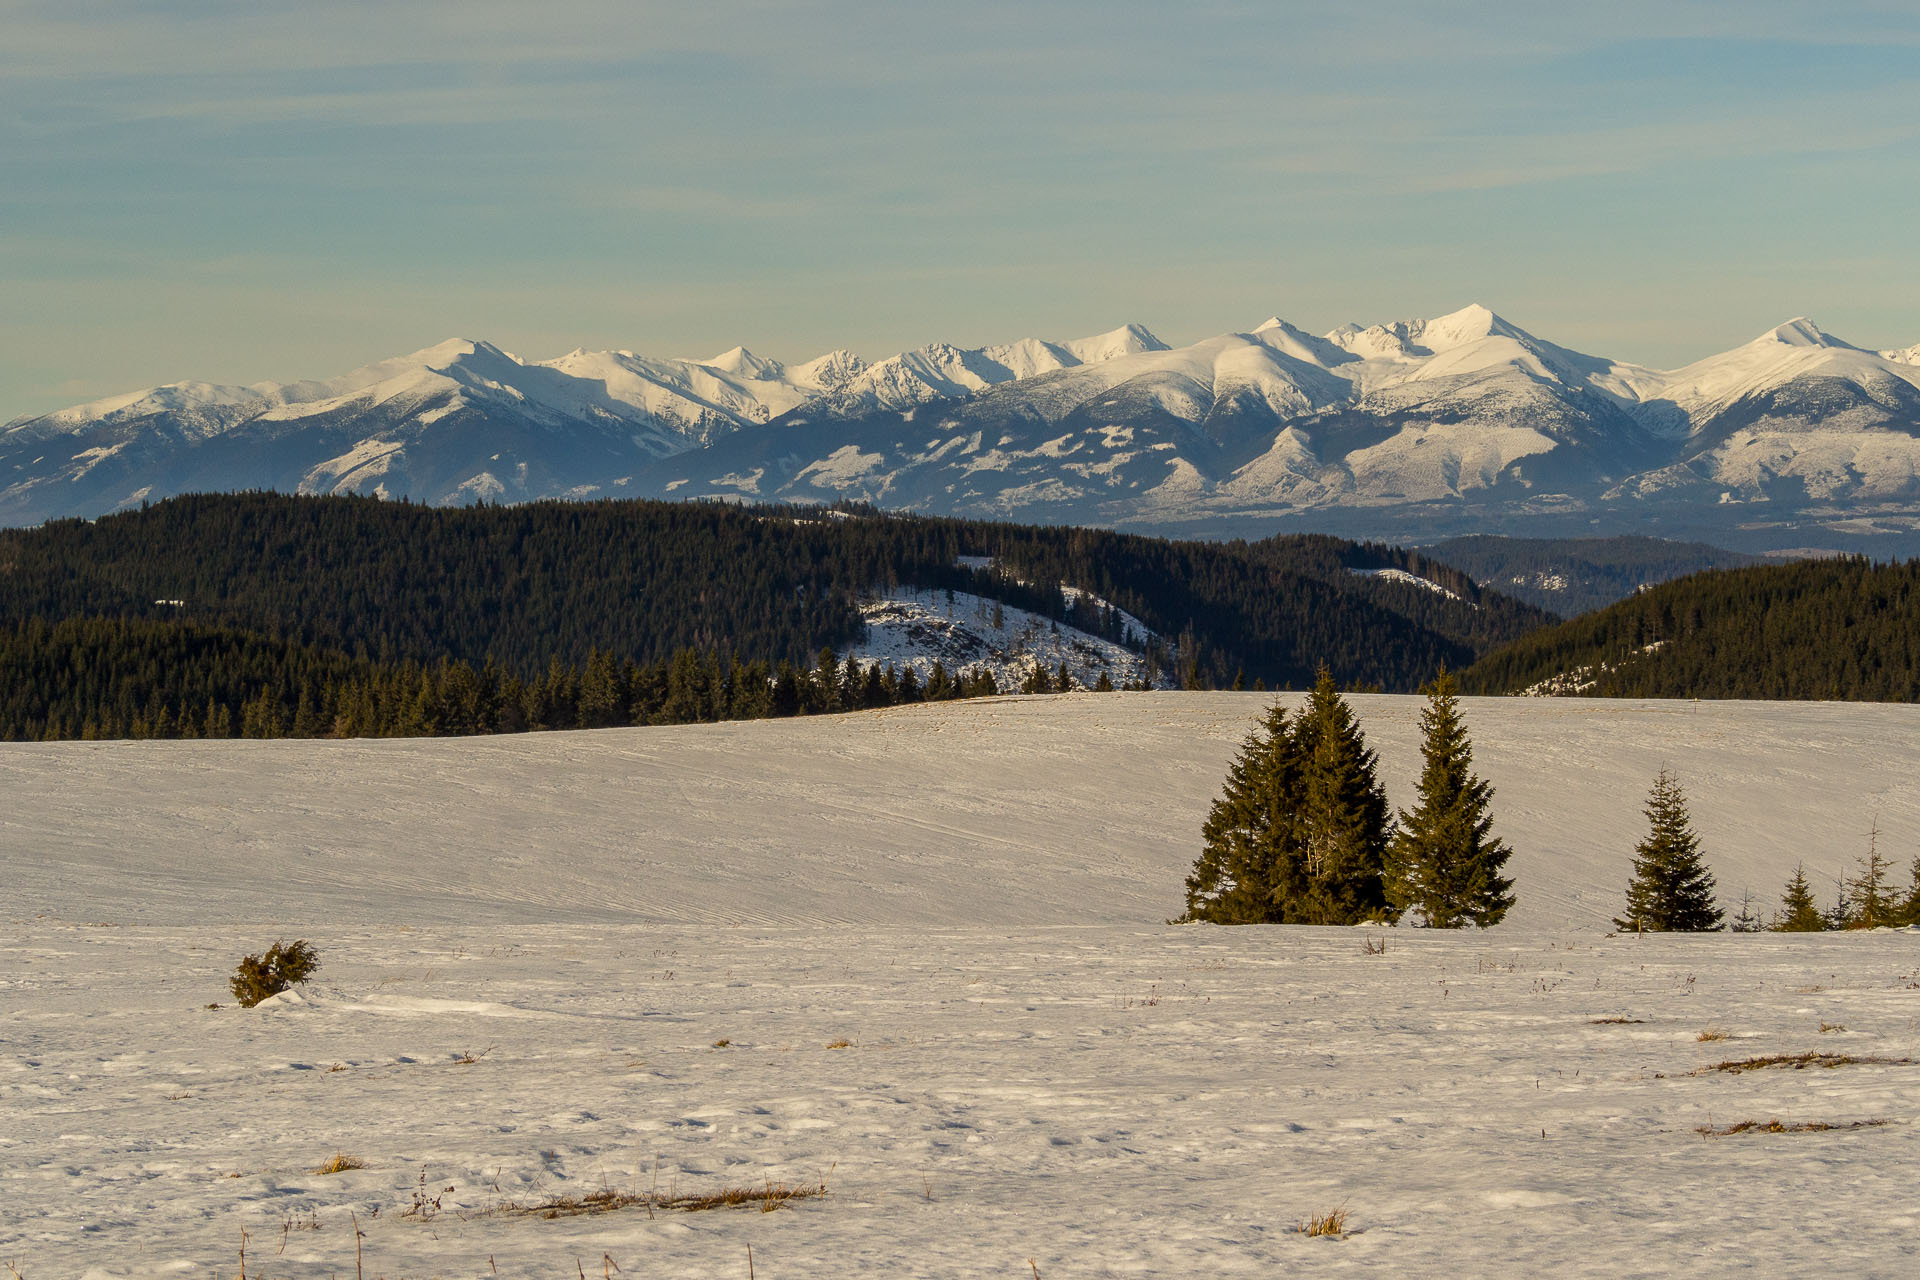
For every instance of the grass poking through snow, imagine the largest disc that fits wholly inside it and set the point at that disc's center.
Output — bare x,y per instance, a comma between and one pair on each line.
1799,1061
767,1197
1331,1223
1776,1126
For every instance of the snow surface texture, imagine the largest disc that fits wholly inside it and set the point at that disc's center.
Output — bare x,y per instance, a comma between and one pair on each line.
1455,422
907,627
971,895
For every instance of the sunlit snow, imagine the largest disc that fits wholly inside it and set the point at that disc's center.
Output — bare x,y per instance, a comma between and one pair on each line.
559,964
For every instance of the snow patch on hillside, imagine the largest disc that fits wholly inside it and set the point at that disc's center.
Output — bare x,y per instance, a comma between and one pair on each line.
1409,579
911,627
1584,679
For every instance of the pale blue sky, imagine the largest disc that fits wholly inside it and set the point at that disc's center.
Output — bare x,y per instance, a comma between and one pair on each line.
245,189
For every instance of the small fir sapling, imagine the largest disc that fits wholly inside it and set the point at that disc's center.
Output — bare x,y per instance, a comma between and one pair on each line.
1672,890
1798,913
1870,902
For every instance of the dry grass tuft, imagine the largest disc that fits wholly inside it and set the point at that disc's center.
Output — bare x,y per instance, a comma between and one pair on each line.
1331,1223
722,1043
1800,1061
1714,1033
340,1163
1616,1022
842,1043
1831,1026
768,1196
1775,1126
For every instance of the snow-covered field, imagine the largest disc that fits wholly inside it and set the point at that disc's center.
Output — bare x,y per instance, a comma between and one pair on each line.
972,897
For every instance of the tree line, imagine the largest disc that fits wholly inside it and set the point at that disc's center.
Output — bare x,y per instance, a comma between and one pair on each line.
1843,629
521,586
1302,834
1673,890
96,678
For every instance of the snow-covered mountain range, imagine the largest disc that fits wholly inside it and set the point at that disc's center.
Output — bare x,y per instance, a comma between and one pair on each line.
1460,423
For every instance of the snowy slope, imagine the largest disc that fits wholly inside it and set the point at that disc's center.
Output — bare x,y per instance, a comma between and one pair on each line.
565,964
681,825
964,632
1464,422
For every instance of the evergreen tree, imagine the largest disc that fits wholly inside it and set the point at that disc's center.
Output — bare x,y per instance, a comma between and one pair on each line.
1748,921
1343,822
1672,889
1798,913
1248,860
1870,903
1908,911
1838,916
1444,863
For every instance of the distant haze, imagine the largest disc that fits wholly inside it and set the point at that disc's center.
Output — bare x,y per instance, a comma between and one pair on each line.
268,190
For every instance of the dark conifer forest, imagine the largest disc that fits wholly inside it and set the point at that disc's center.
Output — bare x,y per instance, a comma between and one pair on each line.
1843,629
267,614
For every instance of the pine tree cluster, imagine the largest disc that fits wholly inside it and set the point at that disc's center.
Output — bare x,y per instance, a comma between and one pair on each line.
1672,889
1866,900
1302,833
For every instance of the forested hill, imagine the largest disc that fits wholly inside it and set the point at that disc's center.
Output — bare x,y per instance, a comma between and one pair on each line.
1571,576
1819,629
527,586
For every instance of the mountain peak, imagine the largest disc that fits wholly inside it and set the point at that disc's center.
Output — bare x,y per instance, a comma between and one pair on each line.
441,354
1470,323
1127,340
1799,332
743,363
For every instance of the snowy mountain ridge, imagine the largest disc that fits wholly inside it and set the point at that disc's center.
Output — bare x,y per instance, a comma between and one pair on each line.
1463,421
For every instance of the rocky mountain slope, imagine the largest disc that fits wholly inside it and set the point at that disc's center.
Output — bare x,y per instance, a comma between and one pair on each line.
1464,423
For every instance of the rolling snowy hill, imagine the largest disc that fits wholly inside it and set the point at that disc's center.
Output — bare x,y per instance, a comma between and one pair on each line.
920,955
1463,423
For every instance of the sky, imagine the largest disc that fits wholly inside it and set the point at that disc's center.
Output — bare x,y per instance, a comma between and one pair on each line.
238,190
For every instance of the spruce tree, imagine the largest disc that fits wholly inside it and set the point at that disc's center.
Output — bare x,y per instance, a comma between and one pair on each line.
1798,913
1869,900
1910,905
1444,862
1672,889
1247,852
1343,823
